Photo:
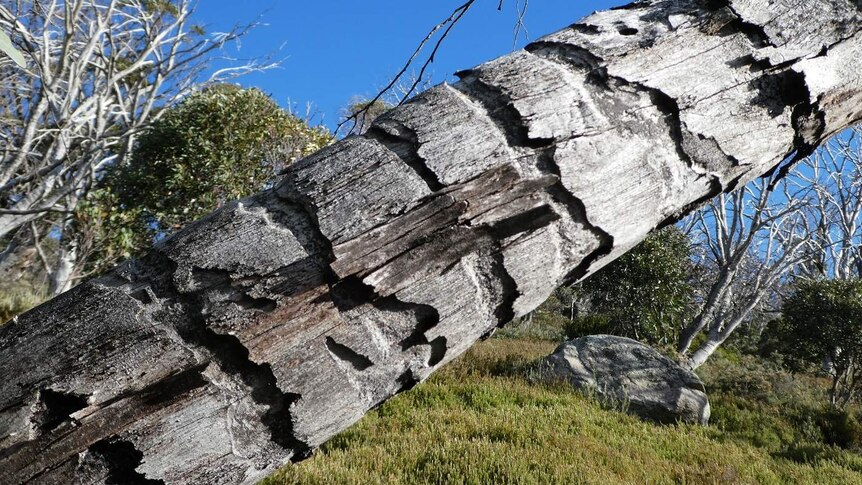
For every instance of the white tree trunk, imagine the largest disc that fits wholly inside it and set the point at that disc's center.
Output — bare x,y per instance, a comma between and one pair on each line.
62,276
258,333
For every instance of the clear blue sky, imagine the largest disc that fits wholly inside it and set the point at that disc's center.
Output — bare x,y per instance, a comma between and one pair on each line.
336,49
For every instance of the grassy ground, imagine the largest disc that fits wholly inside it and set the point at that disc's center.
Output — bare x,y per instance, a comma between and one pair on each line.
480,420
16,299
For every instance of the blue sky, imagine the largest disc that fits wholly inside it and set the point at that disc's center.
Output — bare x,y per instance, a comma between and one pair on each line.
336,49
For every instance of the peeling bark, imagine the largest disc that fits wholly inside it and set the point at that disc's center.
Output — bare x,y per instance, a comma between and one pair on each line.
256,334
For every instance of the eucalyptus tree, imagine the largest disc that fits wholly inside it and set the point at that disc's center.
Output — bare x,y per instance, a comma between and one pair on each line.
646,293
96,73
834,175
757,243
9,50
748,243
255,334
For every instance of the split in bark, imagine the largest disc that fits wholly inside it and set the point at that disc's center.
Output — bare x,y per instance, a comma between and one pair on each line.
253,336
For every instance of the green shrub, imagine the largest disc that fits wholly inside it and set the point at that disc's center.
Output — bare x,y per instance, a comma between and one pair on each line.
218,145
587,325
816,454
645,294
841,428
543,324
824,319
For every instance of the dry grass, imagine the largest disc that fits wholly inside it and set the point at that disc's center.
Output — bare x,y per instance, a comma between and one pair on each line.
17,300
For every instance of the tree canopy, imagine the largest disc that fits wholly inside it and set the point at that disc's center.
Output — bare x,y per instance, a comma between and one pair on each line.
823,323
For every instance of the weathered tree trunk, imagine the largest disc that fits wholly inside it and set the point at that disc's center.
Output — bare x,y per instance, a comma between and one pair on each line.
256,334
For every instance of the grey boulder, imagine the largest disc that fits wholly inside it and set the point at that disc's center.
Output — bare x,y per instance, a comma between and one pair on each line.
625,371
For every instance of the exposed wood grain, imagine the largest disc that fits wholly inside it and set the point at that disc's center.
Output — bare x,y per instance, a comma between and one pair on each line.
259,332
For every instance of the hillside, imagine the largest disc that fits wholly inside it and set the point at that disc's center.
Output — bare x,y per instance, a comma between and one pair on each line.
481,420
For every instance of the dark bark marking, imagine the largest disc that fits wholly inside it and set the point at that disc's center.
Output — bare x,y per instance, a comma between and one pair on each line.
438,351
348,355
579,59
405,145
499,108
505,311
233,358
778,90
632,6
283,210
407,380
426,319
265,305
588,29
578,212
572,57
725,21
715,189
352,292
121,459
226,350
55,407
167,390
783,87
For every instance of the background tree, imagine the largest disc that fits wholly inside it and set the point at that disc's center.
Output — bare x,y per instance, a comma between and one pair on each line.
832,178
645,294
216,146
97,72
746,243
825,318
361,112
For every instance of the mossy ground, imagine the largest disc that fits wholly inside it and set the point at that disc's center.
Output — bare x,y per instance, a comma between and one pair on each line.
481,420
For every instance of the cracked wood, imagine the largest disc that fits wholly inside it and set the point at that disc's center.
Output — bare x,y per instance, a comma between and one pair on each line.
259,332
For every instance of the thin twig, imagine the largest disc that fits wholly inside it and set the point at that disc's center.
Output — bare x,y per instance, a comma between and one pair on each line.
449,23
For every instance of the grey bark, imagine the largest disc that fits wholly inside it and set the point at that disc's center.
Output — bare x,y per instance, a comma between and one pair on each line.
256,334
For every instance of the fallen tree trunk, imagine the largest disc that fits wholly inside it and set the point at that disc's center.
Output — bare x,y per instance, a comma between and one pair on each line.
259,332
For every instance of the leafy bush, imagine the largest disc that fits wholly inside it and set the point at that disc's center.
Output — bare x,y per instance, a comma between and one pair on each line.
218,145
823,319
645,294
841,428
548,322
588,325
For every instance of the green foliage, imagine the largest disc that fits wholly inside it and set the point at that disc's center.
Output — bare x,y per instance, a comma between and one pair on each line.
841,428
824,319
109,232
218,145
755,401
645,294
589,325
164,7
774,345
481,420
